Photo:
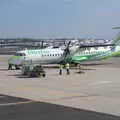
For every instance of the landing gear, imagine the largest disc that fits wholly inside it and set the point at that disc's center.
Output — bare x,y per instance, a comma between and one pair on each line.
9,67
16,67
79,68
33,71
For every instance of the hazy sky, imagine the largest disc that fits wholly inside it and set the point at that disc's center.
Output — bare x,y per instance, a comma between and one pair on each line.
59,18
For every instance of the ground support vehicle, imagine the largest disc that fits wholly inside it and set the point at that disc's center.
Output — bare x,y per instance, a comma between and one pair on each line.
33,71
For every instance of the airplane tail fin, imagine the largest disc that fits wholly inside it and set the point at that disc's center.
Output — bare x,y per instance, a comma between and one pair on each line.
117,40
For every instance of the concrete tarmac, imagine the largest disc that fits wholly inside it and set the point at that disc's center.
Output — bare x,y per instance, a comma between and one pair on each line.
14,108
96,89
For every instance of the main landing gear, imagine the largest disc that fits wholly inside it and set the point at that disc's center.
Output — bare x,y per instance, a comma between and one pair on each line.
10,67
16,67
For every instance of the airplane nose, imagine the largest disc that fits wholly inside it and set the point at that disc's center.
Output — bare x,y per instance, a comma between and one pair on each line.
15,60
10,60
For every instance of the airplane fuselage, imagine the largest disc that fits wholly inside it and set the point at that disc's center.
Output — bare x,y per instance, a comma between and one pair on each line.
54,56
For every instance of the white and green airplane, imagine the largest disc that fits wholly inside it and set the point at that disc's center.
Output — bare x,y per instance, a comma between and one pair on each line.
73,54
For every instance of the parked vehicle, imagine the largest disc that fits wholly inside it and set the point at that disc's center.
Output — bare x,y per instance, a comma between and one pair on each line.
33,71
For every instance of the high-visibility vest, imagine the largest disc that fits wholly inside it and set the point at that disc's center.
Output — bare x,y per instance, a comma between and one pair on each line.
61,67
67,66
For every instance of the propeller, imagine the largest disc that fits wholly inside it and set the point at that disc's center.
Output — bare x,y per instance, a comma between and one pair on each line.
67,50
42,44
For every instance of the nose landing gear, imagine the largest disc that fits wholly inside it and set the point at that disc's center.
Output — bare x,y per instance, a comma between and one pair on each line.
16,67
10,67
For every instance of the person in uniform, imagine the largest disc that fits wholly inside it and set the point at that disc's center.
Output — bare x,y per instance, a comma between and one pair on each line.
68,68
60,69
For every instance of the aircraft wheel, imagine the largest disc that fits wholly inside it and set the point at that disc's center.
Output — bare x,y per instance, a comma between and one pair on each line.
16,67
37,75
9,67
44,75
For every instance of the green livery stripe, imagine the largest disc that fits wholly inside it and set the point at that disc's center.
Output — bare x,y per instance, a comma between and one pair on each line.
81,58
78,58
112,55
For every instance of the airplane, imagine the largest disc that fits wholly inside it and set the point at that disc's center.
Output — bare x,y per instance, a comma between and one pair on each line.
72,54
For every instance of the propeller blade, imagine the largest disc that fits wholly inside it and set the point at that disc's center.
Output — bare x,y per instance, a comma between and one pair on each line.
68,44
67,51
42,44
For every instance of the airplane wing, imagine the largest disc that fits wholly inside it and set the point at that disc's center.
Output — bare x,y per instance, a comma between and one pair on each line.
99,45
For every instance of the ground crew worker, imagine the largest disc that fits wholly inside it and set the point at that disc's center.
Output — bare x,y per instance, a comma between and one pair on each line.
68,68
60,69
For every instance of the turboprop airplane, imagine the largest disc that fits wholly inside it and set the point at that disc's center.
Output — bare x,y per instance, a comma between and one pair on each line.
72,54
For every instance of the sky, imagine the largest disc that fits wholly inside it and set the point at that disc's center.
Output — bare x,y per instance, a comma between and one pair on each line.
59,18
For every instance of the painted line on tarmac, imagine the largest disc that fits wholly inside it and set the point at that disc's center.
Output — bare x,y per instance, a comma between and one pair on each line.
103,82
17,103
66,98
2,96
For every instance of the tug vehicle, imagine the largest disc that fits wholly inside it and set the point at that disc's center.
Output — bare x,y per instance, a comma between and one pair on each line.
33,71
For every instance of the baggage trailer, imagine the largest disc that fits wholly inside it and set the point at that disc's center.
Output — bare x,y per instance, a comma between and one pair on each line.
33,71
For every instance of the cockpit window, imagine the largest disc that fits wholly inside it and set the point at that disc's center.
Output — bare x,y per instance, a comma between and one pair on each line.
19,54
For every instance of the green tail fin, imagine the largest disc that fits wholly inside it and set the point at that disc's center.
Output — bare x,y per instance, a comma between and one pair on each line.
117,40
